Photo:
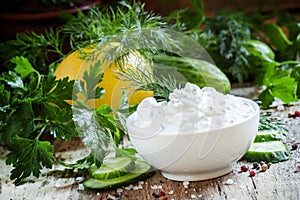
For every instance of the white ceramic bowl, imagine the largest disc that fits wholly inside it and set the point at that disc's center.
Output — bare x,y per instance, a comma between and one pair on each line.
196,156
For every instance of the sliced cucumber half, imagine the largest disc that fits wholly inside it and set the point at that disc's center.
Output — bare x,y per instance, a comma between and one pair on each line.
273,151
268,135
141,171
112,168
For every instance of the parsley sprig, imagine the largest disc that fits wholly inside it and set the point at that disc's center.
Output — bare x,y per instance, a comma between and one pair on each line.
31,106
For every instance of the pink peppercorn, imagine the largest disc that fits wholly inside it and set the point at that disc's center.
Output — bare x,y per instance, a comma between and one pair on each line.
162,193
244,168
252,173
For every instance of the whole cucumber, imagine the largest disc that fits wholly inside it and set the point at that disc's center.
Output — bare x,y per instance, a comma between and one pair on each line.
199,72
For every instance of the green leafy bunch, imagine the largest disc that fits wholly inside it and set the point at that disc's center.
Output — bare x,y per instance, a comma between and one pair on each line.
32,105
223,36
39,49
100,23
102,127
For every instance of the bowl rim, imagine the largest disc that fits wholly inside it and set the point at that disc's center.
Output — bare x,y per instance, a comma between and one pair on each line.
235,124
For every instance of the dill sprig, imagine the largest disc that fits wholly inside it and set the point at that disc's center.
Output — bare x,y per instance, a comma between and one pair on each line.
100,23
37,48
147,79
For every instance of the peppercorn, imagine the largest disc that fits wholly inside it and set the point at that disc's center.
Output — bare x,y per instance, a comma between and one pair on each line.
155,195
162,193
255,165
244,168
264,167
252,173
269,165
261,162
294,146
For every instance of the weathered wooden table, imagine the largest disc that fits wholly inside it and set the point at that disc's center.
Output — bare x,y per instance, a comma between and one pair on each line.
280,181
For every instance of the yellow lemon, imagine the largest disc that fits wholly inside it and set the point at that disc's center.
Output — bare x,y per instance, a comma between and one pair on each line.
74,65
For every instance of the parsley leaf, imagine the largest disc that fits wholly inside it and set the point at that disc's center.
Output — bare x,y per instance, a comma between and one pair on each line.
95,136
277,83
28,157
23,66
107,119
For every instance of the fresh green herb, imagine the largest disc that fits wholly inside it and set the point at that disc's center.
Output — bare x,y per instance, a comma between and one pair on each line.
28,157
228,32
277,83
146,79
33,105
185,20
39,49
99,126
276,35
99,24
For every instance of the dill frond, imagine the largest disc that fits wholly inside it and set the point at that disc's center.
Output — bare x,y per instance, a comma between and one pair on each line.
143,78
100,23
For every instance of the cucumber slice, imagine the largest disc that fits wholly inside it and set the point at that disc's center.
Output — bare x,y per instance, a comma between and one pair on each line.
141,171
267,136
274,151
112,168
93,168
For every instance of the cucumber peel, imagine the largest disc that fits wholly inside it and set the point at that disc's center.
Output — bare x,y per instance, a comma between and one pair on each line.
141,171
273,151
267,136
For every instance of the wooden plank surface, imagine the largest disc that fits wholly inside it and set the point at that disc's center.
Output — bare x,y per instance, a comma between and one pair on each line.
281,181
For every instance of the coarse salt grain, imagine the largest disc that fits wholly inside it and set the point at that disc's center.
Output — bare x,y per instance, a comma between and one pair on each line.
140,187
79,178
109,196
80,187
129,187
186,183
59,183
171,192
135,188
153,187
119,190
229,182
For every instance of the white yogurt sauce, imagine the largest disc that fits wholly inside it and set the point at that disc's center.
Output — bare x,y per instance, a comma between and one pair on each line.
191,109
